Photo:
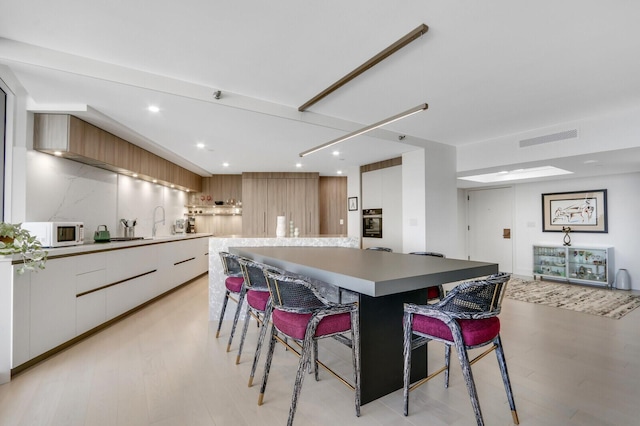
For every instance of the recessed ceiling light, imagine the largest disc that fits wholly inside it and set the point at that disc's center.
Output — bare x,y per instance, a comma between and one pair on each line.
339,172
225,164
200,145
298,165
535,172
336,153
153,108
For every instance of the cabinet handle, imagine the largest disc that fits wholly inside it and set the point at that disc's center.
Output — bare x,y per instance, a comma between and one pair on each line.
115,283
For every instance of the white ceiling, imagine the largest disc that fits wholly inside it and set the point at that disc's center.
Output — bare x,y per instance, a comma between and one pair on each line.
486,69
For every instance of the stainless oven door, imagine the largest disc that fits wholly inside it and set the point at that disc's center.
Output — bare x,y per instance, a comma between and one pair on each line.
372,223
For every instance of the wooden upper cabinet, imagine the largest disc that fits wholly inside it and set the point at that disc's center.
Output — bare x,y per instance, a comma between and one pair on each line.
254,208
148,164
123,152
86,143
107,148
76,134
269,195
333,208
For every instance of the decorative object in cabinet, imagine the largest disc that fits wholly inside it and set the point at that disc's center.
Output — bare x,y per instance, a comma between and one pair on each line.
583,265
208,210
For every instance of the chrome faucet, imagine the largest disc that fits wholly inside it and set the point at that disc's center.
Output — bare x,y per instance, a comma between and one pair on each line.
156,222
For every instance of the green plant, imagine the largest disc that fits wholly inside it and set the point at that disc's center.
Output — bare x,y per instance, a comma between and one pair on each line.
15,240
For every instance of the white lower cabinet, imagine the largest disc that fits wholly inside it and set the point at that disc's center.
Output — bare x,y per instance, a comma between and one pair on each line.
21,317
131,276
52,306
91,302
75,294
182,261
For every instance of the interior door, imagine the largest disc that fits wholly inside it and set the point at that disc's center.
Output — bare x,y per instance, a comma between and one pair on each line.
490,218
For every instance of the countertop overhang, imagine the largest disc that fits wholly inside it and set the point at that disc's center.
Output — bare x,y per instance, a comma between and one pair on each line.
93,247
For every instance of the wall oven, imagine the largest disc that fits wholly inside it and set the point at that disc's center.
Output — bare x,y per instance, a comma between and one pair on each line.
372,223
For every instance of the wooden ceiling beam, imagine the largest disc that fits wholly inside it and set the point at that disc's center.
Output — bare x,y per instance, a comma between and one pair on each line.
390,50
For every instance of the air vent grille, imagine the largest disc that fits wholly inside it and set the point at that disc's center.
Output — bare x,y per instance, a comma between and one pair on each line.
554,137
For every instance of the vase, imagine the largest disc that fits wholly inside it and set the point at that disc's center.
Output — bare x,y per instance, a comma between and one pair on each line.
280,226
623,281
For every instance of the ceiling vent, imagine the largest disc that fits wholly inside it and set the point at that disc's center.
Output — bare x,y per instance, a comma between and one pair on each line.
554,137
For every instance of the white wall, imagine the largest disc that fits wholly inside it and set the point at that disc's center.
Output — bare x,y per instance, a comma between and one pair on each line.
442,199
354,225
430,201
414,202
624,229
63,190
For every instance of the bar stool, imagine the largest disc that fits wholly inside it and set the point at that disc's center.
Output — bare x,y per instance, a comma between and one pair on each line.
467,318
380,249
302,314
234,286
258,304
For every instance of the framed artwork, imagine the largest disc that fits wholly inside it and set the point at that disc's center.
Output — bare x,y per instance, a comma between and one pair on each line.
584,211
353,203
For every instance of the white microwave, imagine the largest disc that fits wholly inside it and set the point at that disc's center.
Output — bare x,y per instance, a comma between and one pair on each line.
56,234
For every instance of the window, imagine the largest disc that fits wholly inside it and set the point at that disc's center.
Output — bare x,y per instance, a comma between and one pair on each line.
3,148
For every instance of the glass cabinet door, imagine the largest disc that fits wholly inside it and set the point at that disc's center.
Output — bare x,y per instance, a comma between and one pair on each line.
550,261
588,264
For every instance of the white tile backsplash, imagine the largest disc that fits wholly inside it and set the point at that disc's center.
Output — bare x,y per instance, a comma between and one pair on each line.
63,190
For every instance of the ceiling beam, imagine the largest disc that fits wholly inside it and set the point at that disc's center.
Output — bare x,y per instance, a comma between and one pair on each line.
390,50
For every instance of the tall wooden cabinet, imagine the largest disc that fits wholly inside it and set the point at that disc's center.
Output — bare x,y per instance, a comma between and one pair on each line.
269,195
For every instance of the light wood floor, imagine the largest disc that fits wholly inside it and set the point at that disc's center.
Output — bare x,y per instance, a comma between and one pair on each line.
164,366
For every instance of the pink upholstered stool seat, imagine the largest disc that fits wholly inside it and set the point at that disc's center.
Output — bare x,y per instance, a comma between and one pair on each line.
258,299
474,332
234,284
295,325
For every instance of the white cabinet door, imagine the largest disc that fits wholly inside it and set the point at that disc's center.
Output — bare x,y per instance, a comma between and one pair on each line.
91,302
21,317
202,264
53,305
182,258
128,294
134,275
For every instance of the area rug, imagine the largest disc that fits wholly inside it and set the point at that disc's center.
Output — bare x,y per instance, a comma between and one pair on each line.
607,303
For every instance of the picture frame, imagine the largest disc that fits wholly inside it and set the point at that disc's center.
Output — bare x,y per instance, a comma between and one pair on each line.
582,211
352,203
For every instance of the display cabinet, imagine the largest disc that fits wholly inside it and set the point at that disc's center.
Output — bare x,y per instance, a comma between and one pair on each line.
583,265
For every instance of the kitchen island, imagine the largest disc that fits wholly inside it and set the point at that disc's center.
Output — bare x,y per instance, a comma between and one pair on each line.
382,282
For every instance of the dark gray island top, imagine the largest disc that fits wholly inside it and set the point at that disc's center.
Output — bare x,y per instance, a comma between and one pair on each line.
368,272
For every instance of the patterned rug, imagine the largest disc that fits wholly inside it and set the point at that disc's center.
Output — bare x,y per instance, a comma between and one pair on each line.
608,303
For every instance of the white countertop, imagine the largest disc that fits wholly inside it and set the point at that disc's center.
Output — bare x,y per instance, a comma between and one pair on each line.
91,246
